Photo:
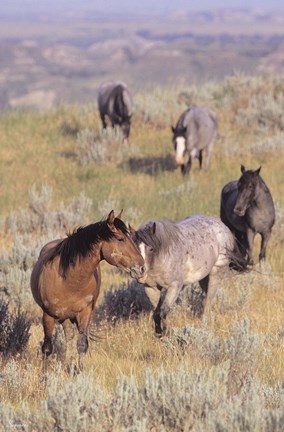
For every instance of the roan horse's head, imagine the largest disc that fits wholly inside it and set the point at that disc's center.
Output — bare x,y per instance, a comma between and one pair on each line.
180,144
246,190
119,250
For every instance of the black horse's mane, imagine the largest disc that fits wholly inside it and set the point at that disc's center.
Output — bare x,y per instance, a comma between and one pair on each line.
79,243
119,104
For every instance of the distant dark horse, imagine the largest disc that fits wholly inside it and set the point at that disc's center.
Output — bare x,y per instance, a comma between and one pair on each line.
195,131
115,101
66,279
195,249
247,209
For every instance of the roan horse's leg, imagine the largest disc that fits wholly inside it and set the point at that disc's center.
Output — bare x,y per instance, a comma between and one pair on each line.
209,285
165,303
200,159
48,323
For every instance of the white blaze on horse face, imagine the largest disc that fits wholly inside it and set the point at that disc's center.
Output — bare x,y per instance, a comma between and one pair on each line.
142,248
180,148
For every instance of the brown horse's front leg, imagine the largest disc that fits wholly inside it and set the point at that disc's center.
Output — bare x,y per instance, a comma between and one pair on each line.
69,338
83,324
48,323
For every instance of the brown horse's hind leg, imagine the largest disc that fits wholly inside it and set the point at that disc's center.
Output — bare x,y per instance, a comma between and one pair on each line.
47,347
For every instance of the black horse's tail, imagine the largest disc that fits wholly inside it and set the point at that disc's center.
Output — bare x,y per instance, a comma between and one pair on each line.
238,260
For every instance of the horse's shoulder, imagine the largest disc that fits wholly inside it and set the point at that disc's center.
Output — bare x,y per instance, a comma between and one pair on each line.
229,187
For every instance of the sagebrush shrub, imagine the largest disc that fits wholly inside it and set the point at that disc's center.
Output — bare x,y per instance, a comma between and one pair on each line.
126,302
14,330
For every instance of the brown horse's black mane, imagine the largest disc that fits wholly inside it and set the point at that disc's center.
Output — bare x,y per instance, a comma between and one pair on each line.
78,244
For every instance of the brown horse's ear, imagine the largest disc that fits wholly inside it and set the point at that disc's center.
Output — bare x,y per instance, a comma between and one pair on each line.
154,228
119,215
110,219
256,172
131,230
243,170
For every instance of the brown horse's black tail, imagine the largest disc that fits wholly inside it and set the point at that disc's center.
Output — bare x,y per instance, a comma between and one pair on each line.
238,260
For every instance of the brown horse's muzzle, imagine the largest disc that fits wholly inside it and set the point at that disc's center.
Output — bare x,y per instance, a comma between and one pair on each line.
138,272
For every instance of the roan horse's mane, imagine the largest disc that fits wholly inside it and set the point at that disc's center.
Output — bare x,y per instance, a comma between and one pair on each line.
79,243
166,234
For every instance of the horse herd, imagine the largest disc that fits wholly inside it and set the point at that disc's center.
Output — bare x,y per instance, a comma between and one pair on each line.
162,255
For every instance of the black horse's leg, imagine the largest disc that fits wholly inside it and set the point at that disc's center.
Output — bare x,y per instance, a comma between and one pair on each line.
103,121
264,240
200,159
250,239
48,323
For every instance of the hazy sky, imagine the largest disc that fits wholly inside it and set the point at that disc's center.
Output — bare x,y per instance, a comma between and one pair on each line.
140,5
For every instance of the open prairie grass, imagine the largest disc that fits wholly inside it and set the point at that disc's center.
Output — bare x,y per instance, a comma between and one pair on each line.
224,372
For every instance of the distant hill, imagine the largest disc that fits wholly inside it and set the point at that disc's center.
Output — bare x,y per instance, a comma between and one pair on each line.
46,59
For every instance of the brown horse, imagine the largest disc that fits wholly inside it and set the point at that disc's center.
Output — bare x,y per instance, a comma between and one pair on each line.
66,279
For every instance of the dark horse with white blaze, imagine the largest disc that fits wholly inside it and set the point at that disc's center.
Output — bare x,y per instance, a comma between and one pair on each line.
195,131
247,208
66,279
195,249
115,102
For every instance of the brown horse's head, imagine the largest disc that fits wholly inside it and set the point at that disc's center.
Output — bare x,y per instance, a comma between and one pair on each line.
119,250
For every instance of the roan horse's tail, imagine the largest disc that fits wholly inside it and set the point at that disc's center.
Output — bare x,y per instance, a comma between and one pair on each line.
238,261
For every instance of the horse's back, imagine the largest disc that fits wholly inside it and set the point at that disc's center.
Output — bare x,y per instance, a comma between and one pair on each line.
208,230
105,95
201,124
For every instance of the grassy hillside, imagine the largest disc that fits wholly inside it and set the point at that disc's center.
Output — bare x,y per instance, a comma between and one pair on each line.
220,373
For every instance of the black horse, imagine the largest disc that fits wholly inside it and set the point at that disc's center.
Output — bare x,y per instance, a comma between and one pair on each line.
247,208
115,101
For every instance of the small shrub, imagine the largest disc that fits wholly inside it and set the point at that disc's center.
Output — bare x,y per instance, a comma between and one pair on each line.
14,330
102,146
126,302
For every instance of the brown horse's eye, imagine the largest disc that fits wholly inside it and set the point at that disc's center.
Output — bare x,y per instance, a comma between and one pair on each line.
120,239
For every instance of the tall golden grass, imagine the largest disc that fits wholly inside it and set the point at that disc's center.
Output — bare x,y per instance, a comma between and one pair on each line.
35,151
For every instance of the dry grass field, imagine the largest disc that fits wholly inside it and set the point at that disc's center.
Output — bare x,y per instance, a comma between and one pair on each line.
224,372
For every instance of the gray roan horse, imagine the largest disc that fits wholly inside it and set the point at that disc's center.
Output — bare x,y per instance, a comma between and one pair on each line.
115,101
66,279
195,249
195,131
247,209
